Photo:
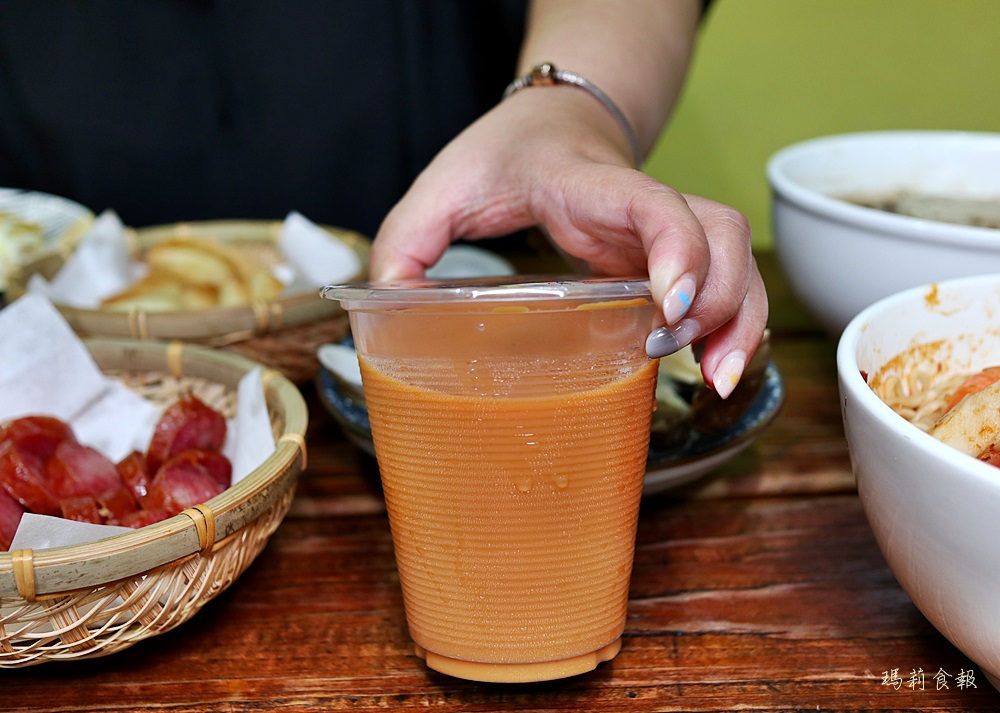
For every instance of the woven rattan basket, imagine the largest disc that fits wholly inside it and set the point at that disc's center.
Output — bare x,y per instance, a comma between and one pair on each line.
90,600
283,334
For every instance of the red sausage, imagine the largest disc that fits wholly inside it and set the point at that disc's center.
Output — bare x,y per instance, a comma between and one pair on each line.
76,469
38,435
116,504
82,509
10,518
217,464
187,423
140,518
179,484
22,476
135,474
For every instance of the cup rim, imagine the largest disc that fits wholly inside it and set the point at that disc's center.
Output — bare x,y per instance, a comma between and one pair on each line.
487,290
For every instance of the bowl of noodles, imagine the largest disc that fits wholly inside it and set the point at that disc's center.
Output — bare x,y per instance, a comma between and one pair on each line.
920,398
860,216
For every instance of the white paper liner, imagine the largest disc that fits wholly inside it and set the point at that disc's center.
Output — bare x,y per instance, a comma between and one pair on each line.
100,267
315,259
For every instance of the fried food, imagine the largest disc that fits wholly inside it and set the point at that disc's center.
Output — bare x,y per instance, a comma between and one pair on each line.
20,241
196,273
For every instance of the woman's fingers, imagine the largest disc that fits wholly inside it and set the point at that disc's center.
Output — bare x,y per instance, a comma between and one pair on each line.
726,311
696,252
413,235
727,350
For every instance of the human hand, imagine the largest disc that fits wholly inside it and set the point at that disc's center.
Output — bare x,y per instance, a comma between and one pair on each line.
553,158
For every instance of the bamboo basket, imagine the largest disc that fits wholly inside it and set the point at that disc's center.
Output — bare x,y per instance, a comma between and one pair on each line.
282,334
91,600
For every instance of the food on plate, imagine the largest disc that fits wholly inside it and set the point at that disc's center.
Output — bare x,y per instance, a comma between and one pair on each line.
685,406
973,424
196,273
20,241
678,379
974,384
44,469
961,410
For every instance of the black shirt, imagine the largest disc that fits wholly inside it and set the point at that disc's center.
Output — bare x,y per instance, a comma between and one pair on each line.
171,110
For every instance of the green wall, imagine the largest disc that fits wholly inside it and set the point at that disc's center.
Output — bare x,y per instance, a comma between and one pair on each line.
768,73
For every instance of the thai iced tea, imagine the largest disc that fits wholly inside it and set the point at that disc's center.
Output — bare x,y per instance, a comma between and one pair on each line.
511,437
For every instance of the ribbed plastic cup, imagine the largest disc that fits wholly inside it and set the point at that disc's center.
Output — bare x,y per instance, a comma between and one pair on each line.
511,426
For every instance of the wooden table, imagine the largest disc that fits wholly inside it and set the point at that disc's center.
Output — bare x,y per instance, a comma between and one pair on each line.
759,586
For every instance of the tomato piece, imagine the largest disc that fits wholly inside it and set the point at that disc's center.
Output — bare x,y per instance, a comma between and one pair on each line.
135,474
38,435
187,423
75,469
179,484
22,476
82,509
974,384
10,517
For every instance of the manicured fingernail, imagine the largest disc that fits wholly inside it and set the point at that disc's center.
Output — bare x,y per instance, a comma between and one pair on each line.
385,276
667,340
678,299
728,372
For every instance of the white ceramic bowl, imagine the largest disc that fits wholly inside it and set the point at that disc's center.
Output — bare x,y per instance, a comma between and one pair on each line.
935,511
841,257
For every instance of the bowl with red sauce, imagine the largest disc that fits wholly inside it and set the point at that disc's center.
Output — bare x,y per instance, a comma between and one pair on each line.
920,398
860,216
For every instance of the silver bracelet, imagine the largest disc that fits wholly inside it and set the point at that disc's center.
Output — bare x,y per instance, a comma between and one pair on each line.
546,75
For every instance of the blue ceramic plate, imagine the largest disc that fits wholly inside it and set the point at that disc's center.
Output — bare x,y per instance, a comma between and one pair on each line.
701,453
697,455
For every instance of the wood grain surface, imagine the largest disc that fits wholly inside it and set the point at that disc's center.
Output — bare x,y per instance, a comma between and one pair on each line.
758,587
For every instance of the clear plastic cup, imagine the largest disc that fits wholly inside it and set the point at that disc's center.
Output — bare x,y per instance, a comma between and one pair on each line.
511,422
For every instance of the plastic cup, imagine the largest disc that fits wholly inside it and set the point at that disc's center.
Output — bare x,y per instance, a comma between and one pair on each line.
511,425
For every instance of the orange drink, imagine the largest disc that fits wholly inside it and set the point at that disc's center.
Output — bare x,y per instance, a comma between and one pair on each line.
511,427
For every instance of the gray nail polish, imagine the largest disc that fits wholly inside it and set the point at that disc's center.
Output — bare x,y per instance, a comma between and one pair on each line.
667,340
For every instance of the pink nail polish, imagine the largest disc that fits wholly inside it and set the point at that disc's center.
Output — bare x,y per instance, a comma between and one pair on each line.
679,298
728,372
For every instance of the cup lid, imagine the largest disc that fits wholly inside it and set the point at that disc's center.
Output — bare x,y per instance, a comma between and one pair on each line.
513,288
